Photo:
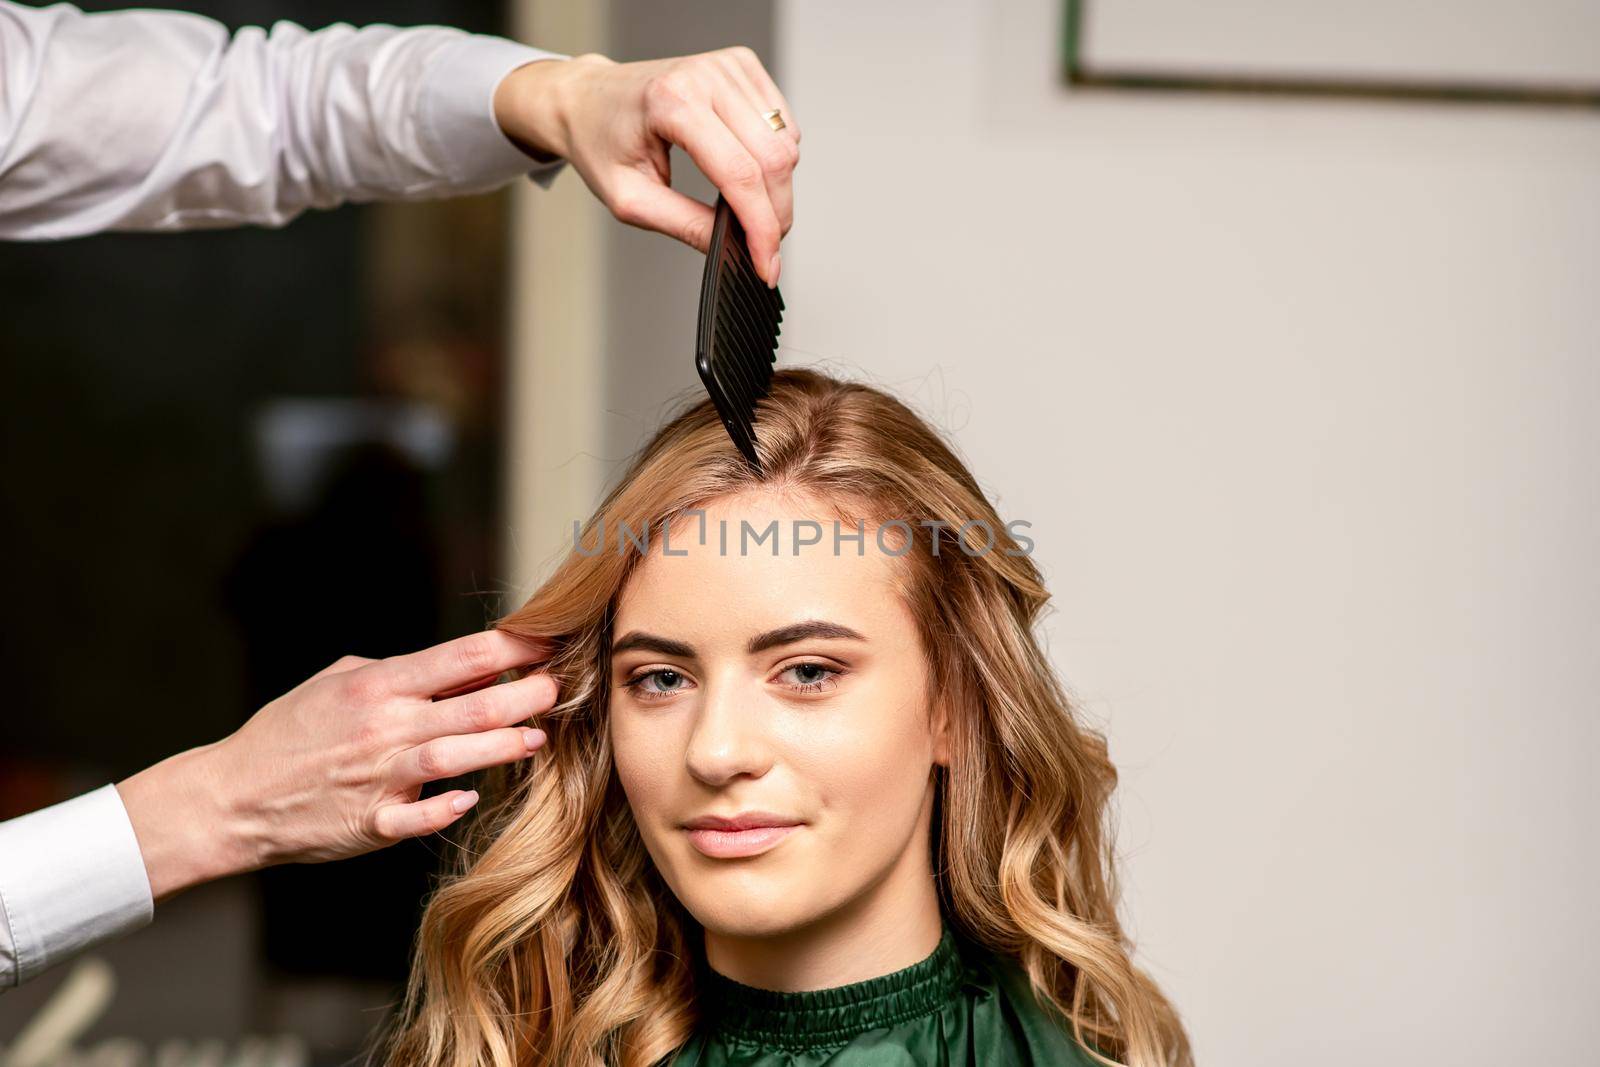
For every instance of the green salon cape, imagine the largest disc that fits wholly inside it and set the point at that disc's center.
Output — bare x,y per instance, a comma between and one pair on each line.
961,1006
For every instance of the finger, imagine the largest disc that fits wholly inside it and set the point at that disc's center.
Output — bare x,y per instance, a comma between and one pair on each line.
638,201
776,154
735,172
763,95
343,664
470,687
397,821
454,664
446,757
766,88
490,708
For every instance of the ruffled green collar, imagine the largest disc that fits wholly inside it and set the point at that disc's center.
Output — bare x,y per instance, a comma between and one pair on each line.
826,1017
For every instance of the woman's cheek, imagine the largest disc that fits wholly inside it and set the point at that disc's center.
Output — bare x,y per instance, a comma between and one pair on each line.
855,761
879,733
639,764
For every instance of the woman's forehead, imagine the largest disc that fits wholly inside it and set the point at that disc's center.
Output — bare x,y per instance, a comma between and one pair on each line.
759,562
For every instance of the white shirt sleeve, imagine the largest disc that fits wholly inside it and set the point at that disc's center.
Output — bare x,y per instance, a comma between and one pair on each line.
159,120
71,876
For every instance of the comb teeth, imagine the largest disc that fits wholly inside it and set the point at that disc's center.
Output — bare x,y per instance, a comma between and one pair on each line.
737,340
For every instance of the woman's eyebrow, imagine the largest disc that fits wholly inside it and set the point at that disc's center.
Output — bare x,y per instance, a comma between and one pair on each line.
783,635
652,643
800,631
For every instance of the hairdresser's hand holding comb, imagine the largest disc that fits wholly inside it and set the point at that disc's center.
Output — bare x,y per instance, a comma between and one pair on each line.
334,768
617,123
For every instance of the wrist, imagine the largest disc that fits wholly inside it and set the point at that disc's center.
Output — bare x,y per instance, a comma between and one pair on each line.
532,105
187,830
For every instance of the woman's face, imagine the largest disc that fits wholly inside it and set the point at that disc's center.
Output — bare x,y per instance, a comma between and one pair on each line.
790,685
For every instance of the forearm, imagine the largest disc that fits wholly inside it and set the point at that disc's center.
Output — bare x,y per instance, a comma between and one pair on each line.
89,869
159,120
70,877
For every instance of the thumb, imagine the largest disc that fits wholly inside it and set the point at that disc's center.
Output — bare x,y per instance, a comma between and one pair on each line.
652,205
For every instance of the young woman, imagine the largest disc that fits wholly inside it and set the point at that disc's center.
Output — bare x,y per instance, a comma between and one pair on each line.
812,793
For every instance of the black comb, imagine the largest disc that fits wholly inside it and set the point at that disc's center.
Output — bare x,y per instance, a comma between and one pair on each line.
737,341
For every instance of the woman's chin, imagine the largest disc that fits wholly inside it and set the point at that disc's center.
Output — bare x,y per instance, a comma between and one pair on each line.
751,903
750,919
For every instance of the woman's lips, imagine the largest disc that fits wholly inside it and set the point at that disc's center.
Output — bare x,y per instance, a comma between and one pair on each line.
727,844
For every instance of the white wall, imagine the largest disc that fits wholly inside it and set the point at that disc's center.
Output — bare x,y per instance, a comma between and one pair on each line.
1300,398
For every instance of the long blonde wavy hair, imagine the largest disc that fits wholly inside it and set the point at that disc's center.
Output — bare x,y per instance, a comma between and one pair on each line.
554,941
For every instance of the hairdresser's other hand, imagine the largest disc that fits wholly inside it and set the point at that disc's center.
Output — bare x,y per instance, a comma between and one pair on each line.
334,767
617,122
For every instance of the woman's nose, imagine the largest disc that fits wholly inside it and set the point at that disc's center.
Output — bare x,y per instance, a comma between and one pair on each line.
728,738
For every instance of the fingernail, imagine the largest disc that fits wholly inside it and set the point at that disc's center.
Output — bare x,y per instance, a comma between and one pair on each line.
533,738
773,268
464,801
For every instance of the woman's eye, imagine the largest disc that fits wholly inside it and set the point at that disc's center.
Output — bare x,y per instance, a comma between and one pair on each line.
811,677
670,680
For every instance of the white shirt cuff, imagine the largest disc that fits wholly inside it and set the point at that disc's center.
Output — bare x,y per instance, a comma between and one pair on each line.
457,112
71,876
